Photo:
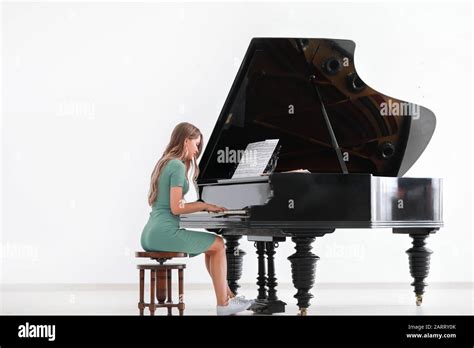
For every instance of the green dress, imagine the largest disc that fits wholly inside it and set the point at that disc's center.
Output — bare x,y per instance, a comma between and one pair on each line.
162,232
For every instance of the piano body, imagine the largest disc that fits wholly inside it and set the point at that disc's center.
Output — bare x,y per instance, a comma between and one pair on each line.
355,142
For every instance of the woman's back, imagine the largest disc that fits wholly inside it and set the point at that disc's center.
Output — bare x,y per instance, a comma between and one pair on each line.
172,175
162,232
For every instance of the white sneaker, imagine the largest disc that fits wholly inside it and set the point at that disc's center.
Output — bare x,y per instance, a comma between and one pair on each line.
232,307
242,298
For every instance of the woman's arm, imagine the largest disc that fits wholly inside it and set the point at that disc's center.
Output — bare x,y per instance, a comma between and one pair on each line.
176,195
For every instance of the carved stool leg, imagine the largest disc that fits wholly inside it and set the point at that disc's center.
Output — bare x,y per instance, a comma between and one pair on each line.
141,303
161,286
170,300
181,291
152,293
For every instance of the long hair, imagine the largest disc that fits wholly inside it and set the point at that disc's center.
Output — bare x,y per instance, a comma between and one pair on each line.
176,149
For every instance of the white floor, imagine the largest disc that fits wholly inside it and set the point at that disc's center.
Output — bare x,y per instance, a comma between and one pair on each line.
329,299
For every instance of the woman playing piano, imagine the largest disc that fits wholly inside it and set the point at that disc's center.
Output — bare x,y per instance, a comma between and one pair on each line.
169,183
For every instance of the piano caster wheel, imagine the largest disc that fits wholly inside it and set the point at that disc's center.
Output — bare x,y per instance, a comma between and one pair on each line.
419,299
303,312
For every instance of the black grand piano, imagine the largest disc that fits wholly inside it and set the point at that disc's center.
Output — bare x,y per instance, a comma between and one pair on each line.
355,143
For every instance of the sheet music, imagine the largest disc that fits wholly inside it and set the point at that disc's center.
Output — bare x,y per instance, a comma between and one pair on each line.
255,158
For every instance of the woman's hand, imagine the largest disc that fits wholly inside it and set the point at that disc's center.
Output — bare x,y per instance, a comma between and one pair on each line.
213,208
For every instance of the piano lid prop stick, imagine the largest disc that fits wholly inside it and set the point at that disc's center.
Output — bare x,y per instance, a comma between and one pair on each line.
334,143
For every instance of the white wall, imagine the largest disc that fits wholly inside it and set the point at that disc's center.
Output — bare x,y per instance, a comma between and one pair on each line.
92,91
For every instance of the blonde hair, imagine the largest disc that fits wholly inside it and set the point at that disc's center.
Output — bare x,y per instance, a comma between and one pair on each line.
176,149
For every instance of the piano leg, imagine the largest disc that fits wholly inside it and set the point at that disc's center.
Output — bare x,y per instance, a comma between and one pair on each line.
274,305
419,259
234,261
267,301
261,279
303,269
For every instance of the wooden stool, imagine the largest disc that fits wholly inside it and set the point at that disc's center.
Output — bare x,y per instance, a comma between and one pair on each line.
160,280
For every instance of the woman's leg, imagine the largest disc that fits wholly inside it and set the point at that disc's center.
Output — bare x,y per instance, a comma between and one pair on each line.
207,260
218,269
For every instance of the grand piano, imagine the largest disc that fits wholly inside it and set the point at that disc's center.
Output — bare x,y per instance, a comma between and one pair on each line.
355,143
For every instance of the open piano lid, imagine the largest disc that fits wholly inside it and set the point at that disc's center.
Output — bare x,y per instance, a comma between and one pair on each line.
280,91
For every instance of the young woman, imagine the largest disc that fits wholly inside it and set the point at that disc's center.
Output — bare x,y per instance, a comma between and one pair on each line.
169,183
